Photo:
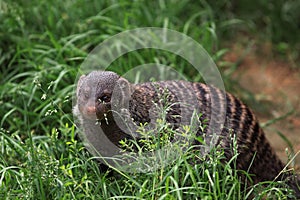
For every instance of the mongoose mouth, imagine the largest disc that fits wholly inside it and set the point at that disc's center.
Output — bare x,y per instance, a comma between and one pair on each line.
102,112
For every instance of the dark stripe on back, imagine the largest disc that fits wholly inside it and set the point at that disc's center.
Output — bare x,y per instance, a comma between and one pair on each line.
247,124
201,93
237,117
256,131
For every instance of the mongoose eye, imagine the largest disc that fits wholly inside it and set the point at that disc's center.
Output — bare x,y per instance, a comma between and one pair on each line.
86,95
104,98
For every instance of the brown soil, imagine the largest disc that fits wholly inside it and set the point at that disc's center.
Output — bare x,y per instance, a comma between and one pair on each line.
275,85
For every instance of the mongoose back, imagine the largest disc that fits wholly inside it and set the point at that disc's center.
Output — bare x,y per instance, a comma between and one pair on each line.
95,92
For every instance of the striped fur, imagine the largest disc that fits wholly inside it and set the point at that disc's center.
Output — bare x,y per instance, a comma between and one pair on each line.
255,152
253,147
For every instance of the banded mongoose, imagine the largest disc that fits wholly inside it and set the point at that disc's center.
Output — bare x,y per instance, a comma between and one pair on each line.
95,92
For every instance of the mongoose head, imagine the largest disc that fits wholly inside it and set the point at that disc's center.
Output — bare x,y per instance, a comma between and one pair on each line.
94,94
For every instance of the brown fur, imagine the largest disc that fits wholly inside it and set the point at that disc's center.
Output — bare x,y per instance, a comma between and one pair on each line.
255,152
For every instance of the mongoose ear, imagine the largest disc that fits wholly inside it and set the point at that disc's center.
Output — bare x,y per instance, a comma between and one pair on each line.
79,84
124,84
124,89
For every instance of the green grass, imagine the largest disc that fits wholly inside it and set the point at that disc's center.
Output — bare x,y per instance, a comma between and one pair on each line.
57,166
43,43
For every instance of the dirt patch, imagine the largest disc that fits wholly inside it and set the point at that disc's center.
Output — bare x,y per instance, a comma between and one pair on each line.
275,86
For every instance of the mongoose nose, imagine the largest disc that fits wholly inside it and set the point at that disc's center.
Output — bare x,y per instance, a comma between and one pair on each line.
91,109
88,111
